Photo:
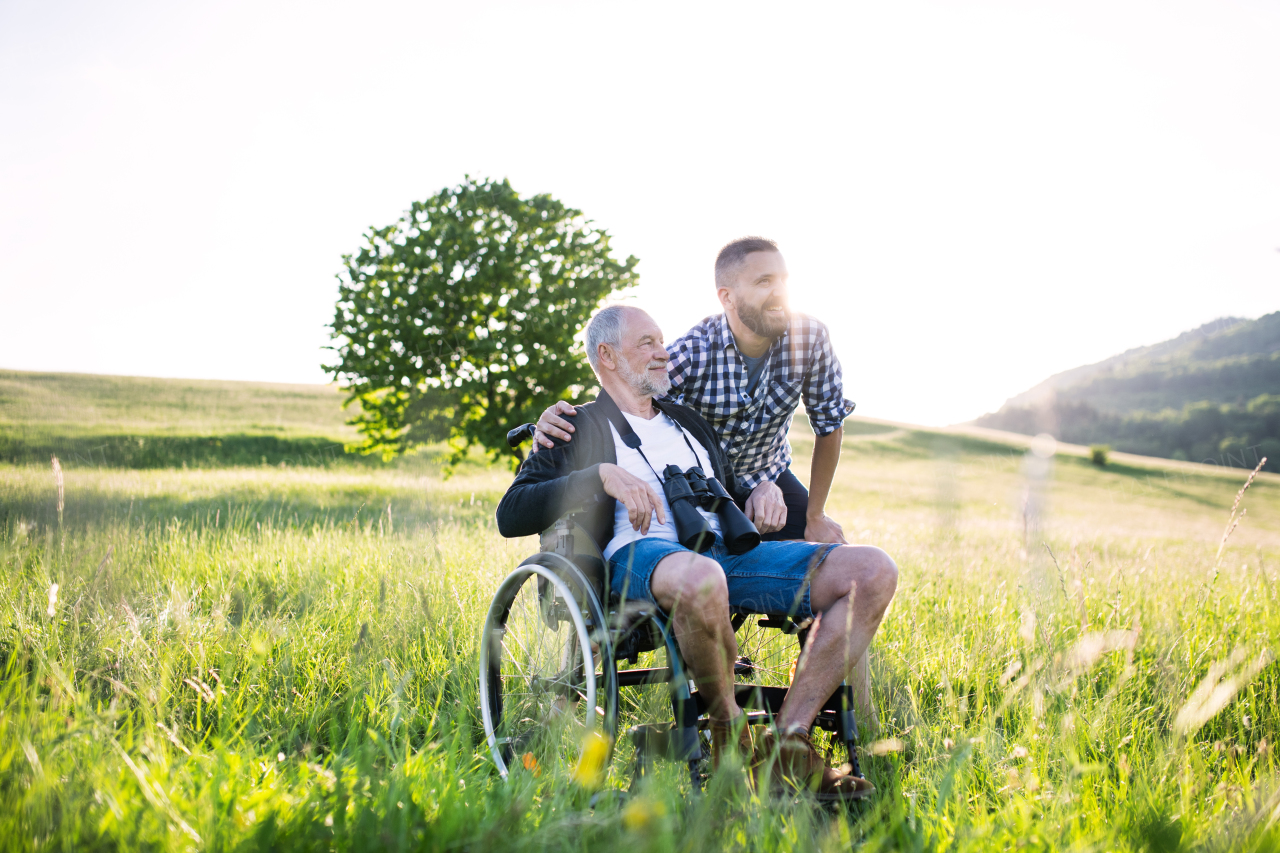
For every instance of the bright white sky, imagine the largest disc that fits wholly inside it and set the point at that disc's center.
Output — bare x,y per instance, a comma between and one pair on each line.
972,195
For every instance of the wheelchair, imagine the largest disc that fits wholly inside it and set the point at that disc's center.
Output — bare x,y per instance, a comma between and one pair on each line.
565,660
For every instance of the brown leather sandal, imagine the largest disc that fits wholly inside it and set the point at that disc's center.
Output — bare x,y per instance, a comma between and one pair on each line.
794,765
735,737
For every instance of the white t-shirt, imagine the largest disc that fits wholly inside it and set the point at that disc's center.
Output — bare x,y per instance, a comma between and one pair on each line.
662,441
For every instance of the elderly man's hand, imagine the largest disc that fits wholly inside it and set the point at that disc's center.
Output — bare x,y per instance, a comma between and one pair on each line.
550,424
766,507
640,500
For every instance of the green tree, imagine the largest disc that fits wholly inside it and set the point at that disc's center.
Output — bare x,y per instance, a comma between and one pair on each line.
457,322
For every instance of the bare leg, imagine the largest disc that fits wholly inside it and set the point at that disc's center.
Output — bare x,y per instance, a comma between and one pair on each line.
851,590
693,589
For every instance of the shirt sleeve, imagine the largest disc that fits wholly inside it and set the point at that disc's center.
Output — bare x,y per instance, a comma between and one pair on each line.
547,486
823,391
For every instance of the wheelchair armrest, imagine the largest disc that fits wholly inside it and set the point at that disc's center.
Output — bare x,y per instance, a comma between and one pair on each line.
568,539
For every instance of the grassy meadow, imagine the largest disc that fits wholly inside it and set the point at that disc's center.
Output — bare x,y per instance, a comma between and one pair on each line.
284,657
140,422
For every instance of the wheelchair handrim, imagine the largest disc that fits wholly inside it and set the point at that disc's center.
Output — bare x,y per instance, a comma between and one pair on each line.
509,586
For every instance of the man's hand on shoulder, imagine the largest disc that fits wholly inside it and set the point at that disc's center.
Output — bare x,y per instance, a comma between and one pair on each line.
551,425
634,493
766,507
823,528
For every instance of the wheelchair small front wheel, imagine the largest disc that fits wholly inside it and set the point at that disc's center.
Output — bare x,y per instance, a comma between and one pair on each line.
541,697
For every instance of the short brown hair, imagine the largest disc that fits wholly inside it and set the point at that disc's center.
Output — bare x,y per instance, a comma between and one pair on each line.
735,252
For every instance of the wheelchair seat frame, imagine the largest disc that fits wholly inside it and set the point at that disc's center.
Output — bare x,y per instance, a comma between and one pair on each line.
591,631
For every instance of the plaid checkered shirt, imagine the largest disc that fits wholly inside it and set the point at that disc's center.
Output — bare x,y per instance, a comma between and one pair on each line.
708,375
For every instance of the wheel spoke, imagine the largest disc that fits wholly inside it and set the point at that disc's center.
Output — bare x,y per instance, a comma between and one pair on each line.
541,701
542,679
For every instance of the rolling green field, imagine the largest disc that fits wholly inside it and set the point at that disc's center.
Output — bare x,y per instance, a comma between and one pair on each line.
267,657
137,422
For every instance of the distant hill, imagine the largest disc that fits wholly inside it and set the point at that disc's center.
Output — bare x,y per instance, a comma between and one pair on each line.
140,422
179,406
1209,395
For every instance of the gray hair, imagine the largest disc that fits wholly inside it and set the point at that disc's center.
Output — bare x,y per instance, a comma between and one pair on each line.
605,328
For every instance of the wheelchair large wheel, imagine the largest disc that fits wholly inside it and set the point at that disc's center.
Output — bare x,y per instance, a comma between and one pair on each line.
546,680
766,654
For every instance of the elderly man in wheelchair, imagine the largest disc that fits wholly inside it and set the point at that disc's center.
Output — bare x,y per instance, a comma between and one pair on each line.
681,571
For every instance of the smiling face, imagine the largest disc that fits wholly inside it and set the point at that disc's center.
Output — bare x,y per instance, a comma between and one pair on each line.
757,293
641,358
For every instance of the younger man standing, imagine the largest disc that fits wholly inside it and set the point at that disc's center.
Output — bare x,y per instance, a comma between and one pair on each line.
746,371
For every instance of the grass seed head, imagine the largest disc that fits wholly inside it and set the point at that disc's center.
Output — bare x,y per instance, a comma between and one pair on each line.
887,745
60,485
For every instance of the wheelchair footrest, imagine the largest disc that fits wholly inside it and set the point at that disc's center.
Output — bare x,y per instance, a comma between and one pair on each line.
666,741
768,699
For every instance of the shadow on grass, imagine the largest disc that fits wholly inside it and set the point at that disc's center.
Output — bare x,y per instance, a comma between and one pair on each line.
1154,481
925,444
179,451
282,504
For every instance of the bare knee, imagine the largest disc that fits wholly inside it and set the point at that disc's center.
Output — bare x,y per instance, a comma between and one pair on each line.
881,582
690,582
863,571
703,584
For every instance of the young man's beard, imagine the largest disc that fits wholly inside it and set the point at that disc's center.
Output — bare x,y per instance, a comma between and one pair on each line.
762,324
645,383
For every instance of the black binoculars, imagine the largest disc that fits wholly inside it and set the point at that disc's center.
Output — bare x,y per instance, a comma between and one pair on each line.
686,491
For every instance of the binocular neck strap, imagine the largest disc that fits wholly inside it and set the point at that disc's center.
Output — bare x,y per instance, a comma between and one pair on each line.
629,437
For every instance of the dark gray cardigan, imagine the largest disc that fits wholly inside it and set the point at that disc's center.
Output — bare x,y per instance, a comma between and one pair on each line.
566,478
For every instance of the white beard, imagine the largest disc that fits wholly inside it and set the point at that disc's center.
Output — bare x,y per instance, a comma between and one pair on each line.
645,384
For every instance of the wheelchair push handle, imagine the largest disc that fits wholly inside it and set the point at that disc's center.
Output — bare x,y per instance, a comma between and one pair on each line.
517,436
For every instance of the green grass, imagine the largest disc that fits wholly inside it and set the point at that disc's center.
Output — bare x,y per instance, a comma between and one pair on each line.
137,422
143,405
266,658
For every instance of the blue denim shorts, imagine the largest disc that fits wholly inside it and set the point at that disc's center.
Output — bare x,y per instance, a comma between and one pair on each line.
772,577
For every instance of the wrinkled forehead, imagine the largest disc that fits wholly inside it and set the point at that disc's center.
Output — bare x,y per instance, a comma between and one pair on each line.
637,326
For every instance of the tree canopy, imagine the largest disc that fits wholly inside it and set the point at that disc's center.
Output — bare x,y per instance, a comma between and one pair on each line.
458,321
